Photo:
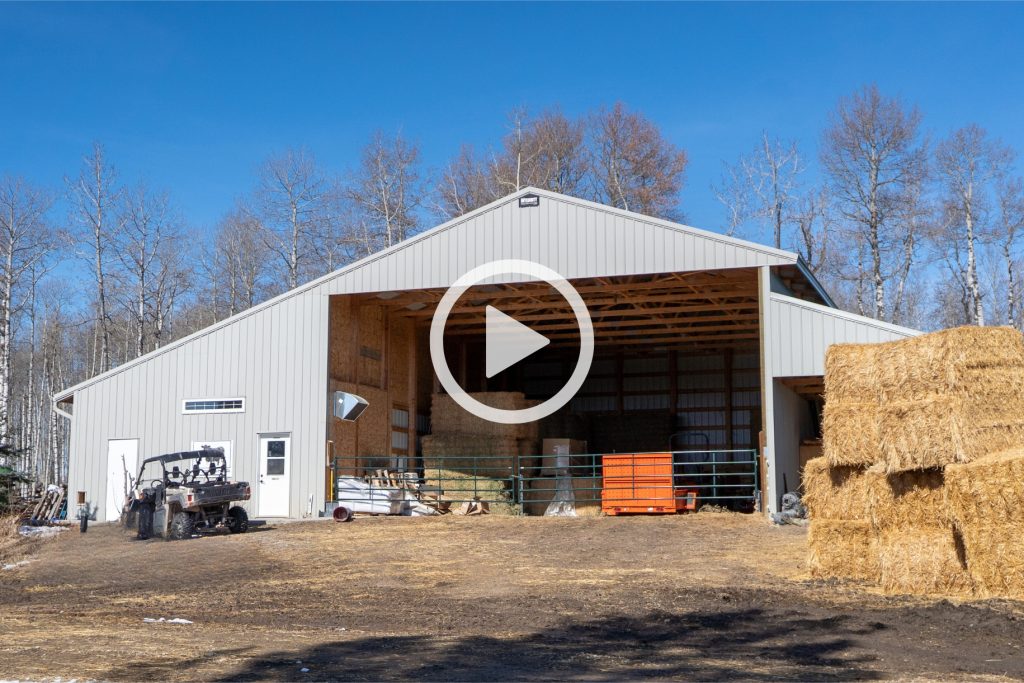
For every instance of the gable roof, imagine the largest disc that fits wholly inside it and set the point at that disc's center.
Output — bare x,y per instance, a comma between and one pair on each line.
597,240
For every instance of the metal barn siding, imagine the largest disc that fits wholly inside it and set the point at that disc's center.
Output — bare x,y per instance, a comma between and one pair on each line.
794,337
801,331
275,354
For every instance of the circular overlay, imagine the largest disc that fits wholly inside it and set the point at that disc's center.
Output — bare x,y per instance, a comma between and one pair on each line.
477,275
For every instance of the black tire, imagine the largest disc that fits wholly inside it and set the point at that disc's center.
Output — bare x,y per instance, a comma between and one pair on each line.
145,522
342,514
182,526
83,526
238,520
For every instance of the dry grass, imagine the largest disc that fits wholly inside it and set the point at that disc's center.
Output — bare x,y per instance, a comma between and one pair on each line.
842,549
922,561
836,493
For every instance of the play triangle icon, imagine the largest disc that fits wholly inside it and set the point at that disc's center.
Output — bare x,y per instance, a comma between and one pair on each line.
508,341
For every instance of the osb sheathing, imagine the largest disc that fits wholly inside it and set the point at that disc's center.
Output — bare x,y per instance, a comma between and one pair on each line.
375,357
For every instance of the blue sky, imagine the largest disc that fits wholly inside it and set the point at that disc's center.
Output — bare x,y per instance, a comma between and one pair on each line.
193,96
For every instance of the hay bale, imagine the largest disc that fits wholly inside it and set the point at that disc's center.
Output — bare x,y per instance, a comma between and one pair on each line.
836,493
850,434
986,499
995,558
448,417
989,490
842,549
927,561
487,456
944,429
851,375
975,360
459,487
908,500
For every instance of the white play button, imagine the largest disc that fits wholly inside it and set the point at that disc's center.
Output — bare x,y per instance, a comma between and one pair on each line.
508,341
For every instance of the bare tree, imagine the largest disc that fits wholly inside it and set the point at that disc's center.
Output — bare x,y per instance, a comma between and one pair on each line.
1010,225
93,196
238,263
634,166
291,203
150,227
26,239
764,186
812,216
386,191
968,164
872,152
463,184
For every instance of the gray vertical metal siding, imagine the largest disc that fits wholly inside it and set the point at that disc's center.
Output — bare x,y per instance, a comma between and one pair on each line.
275,355
800,332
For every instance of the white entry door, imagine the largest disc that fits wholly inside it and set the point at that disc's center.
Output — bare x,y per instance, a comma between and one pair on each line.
226,445
122,468
275,471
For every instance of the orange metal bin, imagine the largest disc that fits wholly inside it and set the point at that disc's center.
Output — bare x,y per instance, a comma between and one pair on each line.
642,483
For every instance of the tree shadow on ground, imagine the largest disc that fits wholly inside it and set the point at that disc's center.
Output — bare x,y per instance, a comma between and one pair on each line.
721,645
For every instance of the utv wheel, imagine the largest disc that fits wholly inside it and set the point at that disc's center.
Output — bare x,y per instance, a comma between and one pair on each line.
238,520
145,522
182,526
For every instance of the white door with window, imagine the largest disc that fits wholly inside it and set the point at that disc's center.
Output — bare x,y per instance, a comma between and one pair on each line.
122,468
275,472
226,445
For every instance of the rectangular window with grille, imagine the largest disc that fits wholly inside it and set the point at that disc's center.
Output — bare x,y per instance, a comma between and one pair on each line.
193,406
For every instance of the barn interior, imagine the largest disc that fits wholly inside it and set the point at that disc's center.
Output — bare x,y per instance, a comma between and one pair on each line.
676,368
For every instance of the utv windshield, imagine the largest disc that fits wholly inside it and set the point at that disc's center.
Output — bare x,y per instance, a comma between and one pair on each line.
189,467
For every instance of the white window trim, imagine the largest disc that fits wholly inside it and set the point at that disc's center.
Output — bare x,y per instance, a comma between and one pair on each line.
186,401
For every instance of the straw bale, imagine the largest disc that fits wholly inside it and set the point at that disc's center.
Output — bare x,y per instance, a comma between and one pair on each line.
460,487
943,430
995,558
836,493
850,433
447,416
851,375
908,500
463,452
922,561
988,491
986,498
970,359
842,549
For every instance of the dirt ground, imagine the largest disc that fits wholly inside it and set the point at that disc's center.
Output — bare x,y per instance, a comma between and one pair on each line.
707,596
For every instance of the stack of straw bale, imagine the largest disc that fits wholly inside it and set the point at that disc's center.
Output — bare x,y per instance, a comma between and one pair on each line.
462,441
840,538
913,426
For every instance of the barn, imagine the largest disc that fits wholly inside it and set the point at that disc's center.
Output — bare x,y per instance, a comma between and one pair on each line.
703,343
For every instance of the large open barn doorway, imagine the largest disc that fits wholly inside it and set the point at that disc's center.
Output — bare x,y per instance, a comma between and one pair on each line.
676,373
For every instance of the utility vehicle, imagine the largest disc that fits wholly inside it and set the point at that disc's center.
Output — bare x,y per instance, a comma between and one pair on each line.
179,494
